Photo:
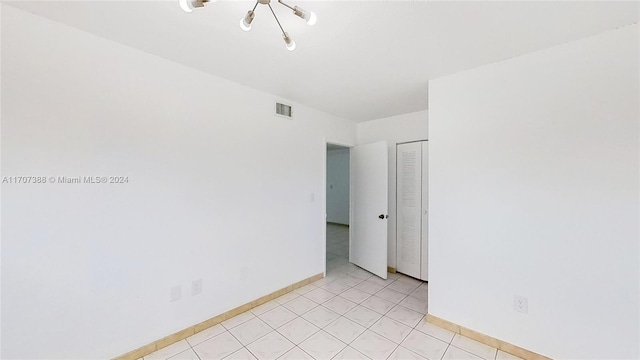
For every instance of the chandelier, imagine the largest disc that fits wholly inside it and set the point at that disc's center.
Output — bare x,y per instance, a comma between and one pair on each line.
245,23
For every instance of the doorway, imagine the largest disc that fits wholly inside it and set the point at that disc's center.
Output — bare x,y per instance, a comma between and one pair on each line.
338,206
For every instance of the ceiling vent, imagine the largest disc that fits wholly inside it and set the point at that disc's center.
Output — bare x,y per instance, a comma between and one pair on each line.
284,110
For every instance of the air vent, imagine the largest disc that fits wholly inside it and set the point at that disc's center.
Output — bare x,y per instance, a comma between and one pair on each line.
283,110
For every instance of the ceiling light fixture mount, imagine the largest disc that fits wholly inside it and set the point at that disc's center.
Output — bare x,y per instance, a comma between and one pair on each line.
245,23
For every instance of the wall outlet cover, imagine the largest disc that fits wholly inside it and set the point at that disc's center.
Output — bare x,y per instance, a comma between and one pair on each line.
521,304
196,287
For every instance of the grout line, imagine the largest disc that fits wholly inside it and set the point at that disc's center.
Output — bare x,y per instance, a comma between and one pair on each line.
301,349
249,351
445,351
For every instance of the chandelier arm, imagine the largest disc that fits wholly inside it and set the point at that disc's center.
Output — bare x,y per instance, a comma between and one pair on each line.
283,3
278,21
255,6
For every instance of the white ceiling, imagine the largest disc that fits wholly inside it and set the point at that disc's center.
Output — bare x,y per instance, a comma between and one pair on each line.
363,60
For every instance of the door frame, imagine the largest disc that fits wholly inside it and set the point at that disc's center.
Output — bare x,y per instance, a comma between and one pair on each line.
326,142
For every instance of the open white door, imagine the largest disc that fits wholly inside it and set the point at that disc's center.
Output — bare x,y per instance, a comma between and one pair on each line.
369,179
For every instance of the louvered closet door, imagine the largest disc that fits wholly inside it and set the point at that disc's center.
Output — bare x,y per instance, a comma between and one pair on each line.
409,208
424,272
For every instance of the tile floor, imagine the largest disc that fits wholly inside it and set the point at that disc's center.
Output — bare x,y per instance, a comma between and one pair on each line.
349,314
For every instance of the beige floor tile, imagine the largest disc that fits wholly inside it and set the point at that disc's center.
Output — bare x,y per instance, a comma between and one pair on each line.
349,280
373,345
363,316
319,295
320,316
205,334
339,305
237,320
405,316
474,347
379,281
501,355
402,353
300,305
421,293
369,287
453,353
403,287
259,310
355,295
435,331
278,316
287,297
296,354
390,295
169,351
298,330
186,355
242,354
415,304
250,331
336,287
218,347
270,346
391,329
305,289
361,274
410,280
425,345
379,305
350,353
344,329
322,346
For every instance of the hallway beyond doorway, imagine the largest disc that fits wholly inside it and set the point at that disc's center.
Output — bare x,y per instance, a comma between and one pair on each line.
337,245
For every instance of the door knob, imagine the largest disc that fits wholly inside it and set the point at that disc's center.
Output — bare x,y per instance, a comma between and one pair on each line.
381,216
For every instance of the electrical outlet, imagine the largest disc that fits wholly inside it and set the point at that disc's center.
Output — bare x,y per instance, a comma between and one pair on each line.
520,304
196,287
244,273
176,293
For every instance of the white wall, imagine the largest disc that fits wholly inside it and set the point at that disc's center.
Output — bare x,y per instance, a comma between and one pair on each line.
338,186
0,179
213,187
393,130
534,189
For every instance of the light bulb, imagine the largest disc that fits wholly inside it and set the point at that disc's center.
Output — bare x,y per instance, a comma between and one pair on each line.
190,5
313,18
244,26
186,5
245,22
291,45
309,16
